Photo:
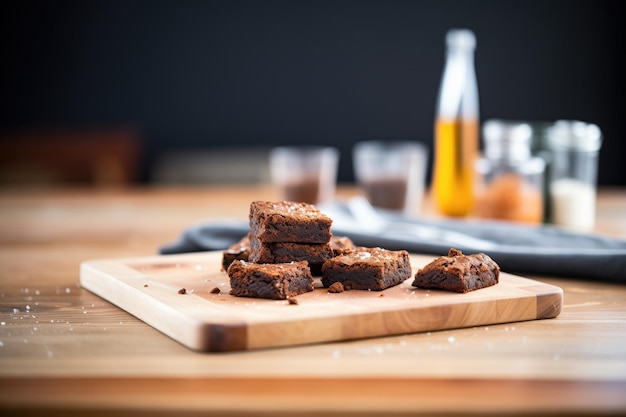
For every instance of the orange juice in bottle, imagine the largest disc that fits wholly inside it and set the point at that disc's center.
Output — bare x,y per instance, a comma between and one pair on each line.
456,128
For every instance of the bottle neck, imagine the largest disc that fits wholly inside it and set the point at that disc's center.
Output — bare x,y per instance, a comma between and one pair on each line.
466,53
458,95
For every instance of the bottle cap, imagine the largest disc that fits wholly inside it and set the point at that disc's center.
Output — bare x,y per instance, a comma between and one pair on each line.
574,135
507,139
461,38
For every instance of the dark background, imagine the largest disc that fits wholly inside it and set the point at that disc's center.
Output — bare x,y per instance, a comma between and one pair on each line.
207,74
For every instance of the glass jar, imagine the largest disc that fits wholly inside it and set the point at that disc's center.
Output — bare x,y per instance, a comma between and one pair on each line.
574,147
510,180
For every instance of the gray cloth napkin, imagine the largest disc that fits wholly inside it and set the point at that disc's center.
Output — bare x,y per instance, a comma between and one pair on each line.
543,250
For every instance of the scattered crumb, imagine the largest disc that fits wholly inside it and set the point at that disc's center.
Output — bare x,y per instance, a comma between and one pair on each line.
215,290
145,285
182,291
292,301
336,287
382,294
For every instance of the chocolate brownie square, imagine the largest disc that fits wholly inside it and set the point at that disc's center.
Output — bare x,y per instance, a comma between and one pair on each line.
239,250
367,269
273,281
458,273
281,252
288,221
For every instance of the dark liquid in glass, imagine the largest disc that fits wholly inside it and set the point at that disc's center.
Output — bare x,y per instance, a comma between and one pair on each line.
305,191
388,193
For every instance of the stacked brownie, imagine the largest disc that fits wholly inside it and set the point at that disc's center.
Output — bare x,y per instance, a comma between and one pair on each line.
287,231
289,242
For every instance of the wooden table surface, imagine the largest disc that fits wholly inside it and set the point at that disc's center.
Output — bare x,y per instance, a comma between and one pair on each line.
65,351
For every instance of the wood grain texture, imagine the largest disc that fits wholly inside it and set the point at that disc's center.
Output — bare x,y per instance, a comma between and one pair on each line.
150,289
66,351
310,397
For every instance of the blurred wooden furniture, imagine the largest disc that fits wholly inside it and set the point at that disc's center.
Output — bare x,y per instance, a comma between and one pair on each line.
95,156
65,351
211,166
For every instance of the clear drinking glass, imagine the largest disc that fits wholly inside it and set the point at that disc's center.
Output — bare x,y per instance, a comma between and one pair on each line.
305,174
391,173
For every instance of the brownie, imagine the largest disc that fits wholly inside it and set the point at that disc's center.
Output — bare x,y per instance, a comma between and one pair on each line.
341,245
459,273
273,281
288,221
367,269
239,250
281,252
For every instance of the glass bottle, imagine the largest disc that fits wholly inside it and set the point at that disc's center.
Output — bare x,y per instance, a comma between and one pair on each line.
456,127
510,182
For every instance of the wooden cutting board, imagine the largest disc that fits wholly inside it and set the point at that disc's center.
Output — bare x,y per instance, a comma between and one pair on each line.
148,288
